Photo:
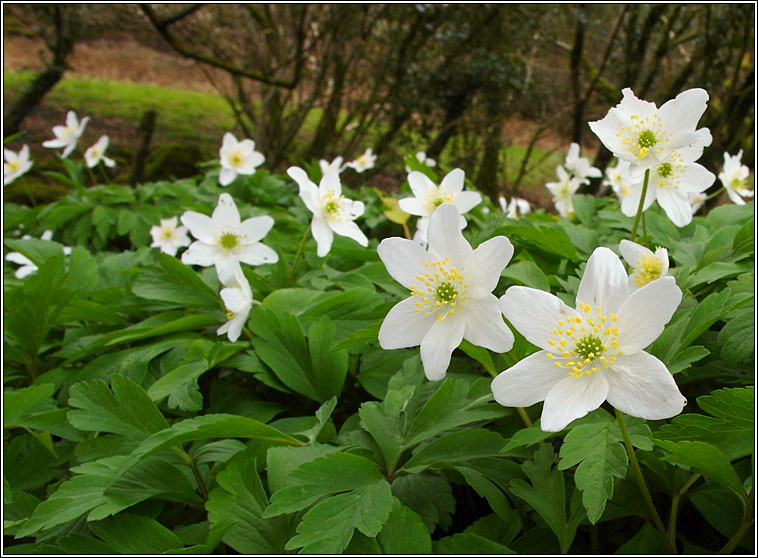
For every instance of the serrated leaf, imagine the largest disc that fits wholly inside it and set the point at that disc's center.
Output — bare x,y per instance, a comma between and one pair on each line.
136,534
494,496
384,428
455,447
174,282
280,461
404,533
463,544
429,495
737,337
328,527
336,472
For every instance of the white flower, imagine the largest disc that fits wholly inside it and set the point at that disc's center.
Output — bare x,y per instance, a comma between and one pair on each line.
363,162
238,299
734,177
168,237
451,293
67,136
646,136
563,190
515,208
580,167
646,265
224,241
27,266
336,164
697,199
670,184
237,157
15,164
96,153
332,212
427,197
592,353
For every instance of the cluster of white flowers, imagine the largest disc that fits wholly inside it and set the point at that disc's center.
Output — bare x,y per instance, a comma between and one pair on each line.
28,266
734,177
574,172
515,208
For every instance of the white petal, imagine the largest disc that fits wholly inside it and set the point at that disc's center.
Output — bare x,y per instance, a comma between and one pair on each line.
485,326
226,176
535,313
445,237
633,252
350,230
226,213
641,386
453,181
483,268
572,398
676,204
465,201
66,152
235,300
227,267
330,181
229,142
402,327
257,254
604,282
256,228
696,178
323,235
25,271
642,317
200,226
404,260
527,382
19,258
414,206
683,112
438,345
420,185
200,253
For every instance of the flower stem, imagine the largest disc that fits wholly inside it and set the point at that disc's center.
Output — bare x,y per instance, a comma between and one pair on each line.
746,524
407,231
91,175
297,256
638,472
640,206
714,194
644,231
247,333
675,507
525,417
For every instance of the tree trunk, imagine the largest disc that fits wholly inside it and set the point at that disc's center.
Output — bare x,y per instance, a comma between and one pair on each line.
30,98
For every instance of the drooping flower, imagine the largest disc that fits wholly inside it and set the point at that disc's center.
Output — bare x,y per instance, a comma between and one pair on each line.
238,300
224,241
563,190
451,293
580,167
593,353
427,197
168,237
644,135
697,199
364,162
336,164
15,164
734,177
28,266
515,208
67,136
96,153
332,212
646,265
237,157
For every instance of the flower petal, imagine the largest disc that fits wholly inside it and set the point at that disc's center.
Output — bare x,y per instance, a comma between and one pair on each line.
604,282
527,382
323,235
257,254
229,141
696,178
644,314
676,204
682,113
534,313
403,327
633,252
404,260
640,385
350,230
414,206
420,185
483,268
200,253
453,181
572,398
256,228
439,343
226,176
200,226
226,213
485,326
445,237
465,201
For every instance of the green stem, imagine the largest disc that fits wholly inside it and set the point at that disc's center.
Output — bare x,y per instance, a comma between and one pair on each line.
297,256
640,206
91,175
247,333
406,230
714,194
638,473
30,194
644,231
675,507
104,173
198,477
525,417
747,523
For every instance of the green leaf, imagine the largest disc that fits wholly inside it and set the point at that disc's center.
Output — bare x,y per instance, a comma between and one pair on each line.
527,273
494,496
281,460
336,472
601,457
479,354
737,337
241,499
455,447
722,510
384,428
731,428
718,270
646,541
174,282
23,403
706,458
126,410
404,533
328,527
136,534
463,544
547,495
429,495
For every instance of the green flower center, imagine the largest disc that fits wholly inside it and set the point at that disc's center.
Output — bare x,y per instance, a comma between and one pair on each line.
438,202
646,139
229,240
235,159
665,170
168,233
331,206
14,165
589,347
445,292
